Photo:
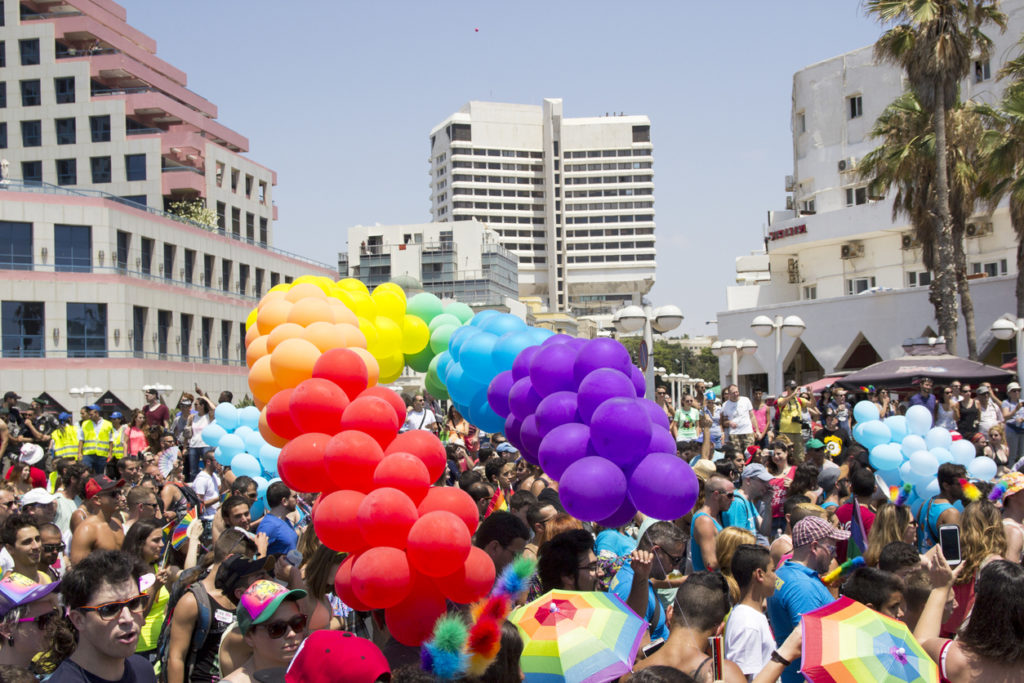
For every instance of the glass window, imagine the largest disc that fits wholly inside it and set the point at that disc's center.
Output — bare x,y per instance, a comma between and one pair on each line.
225,274
146,263
72,248
263,231
186,334
31,133
65,131
87,330
100,167
3,94
32,171
225,341
15,245
67,171
856,106
243,278
124,241
24,329
163,330
236,221
139,314
208,270
168,266
190,264
29,51
250,226
3,45
100,127
139,199
221,210
30,93
135,166
64,88
3,135
204,340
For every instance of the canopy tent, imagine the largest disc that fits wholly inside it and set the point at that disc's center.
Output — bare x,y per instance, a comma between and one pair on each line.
820,385
901,372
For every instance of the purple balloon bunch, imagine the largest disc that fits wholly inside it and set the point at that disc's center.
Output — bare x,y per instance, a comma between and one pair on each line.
576,408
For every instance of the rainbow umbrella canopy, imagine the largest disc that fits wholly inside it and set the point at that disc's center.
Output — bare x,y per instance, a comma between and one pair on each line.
846,642
577,637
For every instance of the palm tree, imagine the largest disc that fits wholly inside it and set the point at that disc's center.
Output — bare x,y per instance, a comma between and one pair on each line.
933,42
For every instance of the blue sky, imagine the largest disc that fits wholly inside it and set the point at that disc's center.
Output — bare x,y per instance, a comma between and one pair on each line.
339,98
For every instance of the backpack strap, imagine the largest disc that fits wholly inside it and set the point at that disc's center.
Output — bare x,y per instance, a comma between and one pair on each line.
657,614
204,619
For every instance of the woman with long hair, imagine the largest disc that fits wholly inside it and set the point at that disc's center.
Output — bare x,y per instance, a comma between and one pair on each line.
763,425
982,540
20,476
318,572
947,410
1000,451
145,543
892,523
728,540
195,424
968,414
460,429
805,483
135,436
782,467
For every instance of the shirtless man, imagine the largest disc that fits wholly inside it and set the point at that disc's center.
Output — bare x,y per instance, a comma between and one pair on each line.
101,530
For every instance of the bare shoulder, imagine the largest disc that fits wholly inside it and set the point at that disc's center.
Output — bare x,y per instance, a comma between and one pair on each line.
242,675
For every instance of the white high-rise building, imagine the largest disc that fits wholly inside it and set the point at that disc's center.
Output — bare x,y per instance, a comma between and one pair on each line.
573,198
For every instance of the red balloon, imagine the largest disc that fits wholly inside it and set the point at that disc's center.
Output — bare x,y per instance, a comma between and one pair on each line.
411,622
373,416
316,405
301,463
405,472
391,397
385,517
279,417
425,446
438,544
470,582
351,458
344,367
343,585
335,522
453,500
381,577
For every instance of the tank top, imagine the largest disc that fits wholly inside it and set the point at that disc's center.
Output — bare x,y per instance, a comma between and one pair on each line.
696,558
944,418
967,425
207,664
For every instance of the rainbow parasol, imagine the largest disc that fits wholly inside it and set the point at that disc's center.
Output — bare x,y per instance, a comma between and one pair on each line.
577,637
179,533
846,642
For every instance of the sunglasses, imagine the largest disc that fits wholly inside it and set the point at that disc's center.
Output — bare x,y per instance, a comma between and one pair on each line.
53,547
675,559
109,610
277,629
41,621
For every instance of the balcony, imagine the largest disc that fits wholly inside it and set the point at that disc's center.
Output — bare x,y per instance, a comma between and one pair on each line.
183,179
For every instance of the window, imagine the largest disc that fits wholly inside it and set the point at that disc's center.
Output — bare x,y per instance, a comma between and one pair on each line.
208,271
263,231
190,264
30,94
3,45
859,285
3,135
856,195
275,279
225,274
243,278
250,226
72,247
234,180
100,167
65,131
249,180
146,260
641,134
262,196
163,331
124,241
139,314
982,71
236,221
240,346
139,199
991,269
258,291
220,173
135,166
29,48
919,278
67,171
204,340
225,340
31,133
807,207
3,94
64,89
221,211
100,128
168,266
801,123
186,334
87,330
810,292
15,245
23,326
32,171
855,106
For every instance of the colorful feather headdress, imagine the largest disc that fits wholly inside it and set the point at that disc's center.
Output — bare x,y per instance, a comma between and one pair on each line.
898,494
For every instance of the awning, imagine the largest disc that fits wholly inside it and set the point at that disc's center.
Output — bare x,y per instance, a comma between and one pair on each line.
943,369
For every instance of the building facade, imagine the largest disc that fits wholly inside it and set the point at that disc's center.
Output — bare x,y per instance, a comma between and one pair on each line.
101,286
836,257
572,198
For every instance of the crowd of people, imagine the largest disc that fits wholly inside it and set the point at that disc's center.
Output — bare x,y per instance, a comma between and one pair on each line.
130,554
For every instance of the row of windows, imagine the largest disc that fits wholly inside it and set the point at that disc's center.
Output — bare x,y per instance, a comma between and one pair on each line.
597,180
23,329
609,206
507,206
507,153
608,232
236,223
620,166
494,166
601,246
522,220
469,178
595,154
31,91
520,233
65,130
539,260
482,192
617,192
638,218
99,168
610,258
250,183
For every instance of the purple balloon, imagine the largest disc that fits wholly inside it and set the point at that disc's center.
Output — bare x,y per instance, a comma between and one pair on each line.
556,339
551,369
599,386
623,515
592,489
621,431
655,412
521,365
602,353
557,409
530,438
562,447
577,343
523,399
639,382
663,487
497,393
512,427
661,441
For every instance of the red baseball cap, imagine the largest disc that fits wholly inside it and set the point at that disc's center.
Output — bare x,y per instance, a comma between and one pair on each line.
101,484
325,653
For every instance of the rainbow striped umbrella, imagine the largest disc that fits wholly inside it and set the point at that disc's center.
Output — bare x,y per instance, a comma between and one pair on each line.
577,637
846,642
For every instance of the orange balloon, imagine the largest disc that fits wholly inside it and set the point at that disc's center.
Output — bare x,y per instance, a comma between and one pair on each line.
354,337
267,433
282,332
272,315
256,350
303,290
259,404
272,295
261,380
342,314
325,336
372,367
292,362
251,334
310,310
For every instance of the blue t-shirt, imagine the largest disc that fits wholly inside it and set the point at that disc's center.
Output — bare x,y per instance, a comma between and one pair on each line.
621,586
798,590
928,402
696,558
615,542
928,529
282,537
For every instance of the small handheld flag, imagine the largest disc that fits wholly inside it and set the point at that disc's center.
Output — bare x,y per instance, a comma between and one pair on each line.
842,570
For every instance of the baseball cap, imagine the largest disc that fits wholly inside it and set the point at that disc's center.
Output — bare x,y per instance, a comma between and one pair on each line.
31,454
236,567
259,602
37,497
17,590
815,444
981,390
756,471
810,529
324,653
116,416
828,476
40,399
64,416
791,384
92,406
11,394
1012,385
506,447
101,484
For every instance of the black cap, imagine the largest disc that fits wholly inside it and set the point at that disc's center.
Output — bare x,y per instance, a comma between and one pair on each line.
234,568
11,394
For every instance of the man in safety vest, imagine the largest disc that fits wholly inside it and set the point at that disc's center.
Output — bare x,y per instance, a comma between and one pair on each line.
117,438
96,437
65,439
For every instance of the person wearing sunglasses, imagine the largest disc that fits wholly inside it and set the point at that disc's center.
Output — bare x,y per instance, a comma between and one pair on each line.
104,604
718,496
272,624
26,608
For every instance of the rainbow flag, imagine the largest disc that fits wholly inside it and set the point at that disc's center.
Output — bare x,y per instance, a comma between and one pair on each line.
498,502
177,534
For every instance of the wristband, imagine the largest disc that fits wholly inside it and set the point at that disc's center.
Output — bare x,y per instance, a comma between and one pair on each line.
776,657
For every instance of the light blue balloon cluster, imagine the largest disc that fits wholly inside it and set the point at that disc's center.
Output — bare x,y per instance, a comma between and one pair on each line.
908,449
235,436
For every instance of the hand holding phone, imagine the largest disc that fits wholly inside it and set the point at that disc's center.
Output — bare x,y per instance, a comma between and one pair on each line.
949,541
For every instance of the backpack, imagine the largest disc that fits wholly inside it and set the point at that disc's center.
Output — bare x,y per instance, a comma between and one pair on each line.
190,581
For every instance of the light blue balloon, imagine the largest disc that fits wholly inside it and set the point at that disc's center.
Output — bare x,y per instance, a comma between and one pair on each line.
873,433
858,429
249,416
927,490
219,456
509,346
886,457
226,416
503,324
539,334
982,467
963,452
254,442
261,487
909,476
898,427
865,411
913,443
919,420
444,361
212,434
924,463
942,455
246,464
242,432
480,318
938,437
890,477
231,446
258,509
268,459
475,357
459,337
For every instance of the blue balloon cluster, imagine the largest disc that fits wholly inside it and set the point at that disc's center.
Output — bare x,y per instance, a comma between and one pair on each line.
234,434
908,449
576,407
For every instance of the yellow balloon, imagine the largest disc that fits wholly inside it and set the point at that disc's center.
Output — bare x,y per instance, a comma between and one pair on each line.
302,290
250,319
415,335
391,368
389,337
389,304
353,285
280,287
369,331
390,287
362,305
344,297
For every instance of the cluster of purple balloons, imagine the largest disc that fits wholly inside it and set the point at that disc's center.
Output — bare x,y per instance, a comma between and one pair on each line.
576,408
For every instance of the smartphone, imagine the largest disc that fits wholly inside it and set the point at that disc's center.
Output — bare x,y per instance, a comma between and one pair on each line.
949,540
652,647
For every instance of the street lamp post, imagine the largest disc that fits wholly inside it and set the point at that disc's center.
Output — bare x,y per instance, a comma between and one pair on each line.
764,326
661,319
1007,328
734,348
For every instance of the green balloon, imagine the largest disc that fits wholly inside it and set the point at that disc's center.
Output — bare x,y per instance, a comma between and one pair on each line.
420,362
439,337
443,320
424,306
434,386
460,310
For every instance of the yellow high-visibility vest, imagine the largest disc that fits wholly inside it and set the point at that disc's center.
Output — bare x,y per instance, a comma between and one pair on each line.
117,442
65,442
96,441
